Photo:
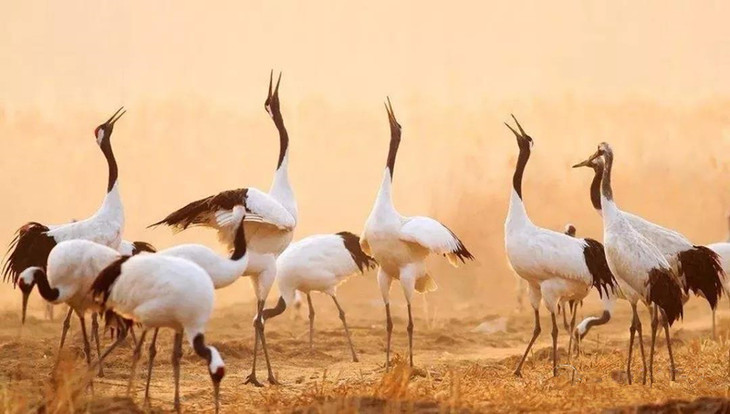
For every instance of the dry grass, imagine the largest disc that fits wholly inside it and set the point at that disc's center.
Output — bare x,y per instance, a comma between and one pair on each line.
457,370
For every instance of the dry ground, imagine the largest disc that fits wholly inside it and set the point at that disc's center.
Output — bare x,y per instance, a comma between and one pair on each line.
457,370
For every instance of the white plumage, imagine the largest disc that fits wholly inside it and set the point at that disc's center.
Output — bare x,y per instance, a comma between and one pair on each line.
400,244
318,263
33,241
270,222
556,266
158,291
222,271
639,263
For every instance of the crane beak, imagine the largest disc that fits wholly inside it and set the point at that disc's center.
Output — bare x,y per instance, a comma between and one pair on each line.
589,161
216,395
25,289
114,118
25,306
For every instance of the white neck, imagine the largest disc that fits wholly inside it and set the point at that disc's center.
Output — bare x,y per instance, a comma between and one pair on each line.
233,270
281,190
384,201
610,210
516,215
112,207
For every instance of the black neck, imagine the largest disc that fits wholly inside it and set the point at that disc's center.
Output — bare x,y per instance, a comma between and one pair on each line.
271,312
283,137
44,288
239,243
200,348
392,152
106,148
606,184
596,186
520,169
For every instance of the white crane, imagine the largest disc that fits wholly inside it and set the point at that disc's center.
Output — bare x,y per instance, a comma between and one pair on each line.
634,259
319,263
557,267
698,267
33,241
270,221
221,270
401,244
158,291
73,265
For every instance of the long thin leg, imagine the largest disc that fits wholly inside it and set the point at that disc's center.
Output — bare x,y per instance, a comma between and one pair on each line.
251,379
311,321
410,334
565,318
153,353
347,331
66,325
135,359
572,328
132,335
95,334
555,345
672,368
87,348
654,325
389,329
176,355
632,332
262,336
535,334
641,345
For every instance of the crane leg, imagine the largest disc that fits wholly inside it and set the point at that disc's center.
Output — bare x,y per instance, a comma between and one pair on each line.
654,325
251,379
641,342
262,336
555,345
535,334
389,329
153,353
95,334
672,368
311,321
410,334
135,360
87,348
570,331
66,326
347,331
176,355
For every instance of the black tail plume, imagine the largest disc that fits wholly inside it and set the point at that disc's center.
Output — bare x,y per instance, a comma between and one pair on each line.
666,293
703,273
352,244
103,283
30,247
595,258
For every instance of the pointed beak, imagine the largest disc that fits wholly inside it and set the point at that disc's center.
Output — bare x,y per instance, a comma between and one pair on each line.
114,118
271,81
589,161
276,89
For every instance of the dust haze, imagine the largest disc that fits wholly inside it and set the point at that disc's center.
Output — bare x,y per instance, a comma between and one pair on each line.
193,78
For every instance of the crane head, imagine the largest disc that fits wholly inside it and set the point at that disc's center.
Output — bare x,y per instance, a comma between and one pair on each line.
272,100
524,141
395,128
104,131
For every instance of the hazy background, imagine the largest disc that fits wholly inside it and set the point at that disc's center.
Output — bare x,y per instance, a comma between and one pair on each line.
649,77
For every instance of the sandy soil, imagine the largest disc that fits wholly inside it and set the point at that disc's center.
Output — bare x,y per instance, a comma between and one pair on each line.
457,369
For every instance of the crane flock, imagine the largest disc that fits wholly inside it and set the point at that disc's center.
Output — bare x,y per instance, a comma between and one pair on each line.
87,265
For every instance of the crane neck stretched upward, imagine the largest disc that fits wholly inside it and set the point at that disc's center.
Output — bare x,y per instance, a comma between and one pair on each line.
608,205
106,148
520,169
517,213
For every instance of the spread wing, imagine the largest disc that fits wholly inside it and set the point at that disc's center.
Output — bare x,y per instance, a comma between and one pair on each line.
435,237
216,211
